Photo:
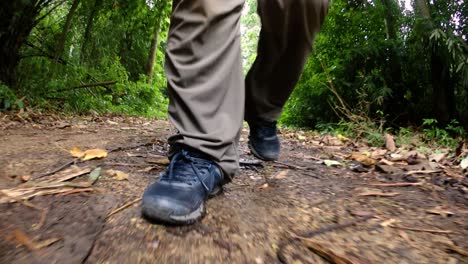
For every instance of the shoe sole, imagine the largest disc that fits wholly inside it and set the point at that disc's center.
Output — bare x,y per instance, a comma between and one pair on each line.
255,153
165,216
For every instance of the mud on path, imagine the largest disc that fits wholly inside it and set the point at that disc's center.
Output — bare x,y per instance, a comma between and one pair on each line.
258,219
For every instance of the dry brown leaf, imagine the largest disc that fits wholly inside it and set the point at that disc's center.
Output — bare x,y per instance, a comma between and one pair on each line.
378,154
25,178
160,161
76,152
67,174
23,239
281,175
453,174
437,157
88,154
413,156
118,175
94,154
389,142
440,210
363,159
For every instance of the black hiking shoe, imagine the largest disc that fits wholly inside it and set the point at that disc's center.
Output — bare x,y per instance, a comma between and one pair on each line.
263,140
179,196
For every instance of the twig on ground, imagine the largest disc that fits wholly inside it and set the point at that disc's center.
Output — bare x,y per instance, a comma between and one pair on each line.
76,191
422,172
125,164
42,220
123,207
68,164
397,184
334,227
130,147
325,252
456,249
288,165
435,231
21,201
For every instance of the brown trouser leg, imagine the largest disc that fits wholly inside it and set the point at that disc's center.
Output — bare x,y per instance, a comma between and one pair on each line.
288,31
204,69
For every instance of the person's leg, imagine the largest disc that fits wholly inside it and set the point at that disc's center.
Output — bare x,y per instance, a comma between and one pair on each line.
288,31
206,89
205,79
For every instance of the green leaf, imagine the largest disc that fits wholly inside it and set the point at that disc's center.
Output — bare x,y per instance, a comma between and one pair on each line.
94,175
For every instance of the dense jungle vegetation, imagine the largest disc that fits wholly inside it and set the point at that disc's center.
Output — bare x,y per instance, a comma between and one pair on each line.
381,63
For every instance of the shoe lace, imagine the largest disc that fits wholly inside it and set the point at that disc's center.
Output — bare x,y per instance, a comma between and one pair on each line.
181,174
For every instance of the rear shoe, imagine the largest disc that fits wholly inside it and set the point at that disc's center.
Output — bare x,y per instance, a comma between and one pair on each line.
263,140
179,196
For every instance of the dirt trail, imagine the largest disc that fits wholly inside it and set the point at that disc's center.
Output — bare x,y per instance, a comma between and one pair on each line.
257,220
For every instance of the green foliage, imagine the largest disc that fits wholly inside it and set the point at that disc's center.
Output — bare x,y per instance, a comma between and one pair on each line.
448,136
370,69
107,41
8,99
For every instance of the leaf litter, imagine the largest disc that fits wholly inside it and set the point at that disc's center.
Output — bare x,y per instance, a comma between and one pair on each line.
415,165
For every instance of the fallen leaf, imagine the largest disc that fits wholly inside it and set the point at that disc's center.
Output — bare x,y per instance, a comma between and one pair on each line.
342,138
281,175
118,175
453,174
389,142
378,154
330,163
438,157
76,152
23,239
25,178
264,186
413,157
94,175
94,154
363,159
464,163
396,157
160,161
440,210
301,137
88,154
112,122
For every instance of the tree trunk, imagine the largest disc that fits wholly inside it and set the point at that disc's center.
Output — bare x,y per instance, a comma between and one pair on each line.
88,29
396,104
443,89
18,19
154,43
66,28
